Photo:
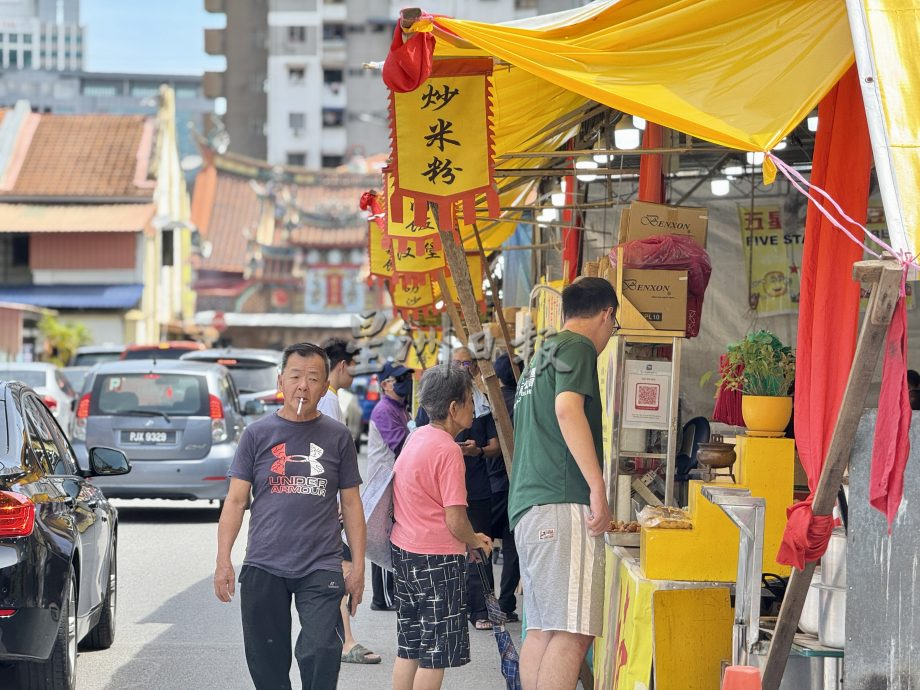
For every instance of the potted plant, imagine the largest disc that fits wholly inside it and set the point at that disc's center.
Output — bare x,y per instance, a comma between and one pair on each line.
763,369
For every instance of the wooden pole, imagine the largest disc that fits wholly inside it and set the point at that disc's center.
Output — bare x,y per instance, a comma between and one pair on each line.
452,309
460,271
886,276
498,305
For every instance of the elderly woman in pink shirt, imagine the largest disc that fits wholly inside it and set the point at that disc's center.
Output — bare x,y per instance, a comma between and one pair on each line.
431,536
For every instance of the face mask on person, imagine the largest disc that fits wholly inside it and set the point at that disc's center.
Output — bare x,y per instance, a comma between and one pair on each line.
403,388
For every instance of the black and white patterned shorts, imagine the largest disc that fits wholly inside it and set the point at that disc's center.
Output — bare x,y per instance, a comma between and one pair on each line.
431,623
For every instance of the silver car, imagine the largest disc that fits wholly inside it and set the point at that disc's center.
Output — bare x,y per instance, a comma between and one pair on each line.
254,372
178,422
49,382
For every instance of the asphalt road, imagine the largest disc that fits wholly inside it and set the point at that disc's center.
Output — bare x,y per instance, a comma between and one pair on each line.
172,633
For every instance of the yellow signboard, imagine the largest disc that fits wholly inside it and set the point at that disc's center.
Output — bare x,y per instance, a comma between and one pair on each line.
773,260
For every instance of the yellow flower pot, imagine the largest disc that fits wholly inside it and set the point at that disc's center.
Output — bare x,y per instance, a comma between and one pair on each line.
766,414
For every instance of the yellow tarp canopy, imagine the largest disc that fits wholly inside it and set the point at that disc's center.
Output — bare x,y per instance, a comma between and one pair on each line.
740,73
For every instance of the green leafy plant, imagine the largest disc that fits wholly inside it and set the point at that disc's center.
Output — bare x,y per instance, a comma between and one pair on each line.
63,338
758,365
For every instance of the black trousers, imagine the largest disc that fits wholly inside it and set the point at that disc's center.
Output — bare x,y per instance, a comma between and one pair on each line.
265,602
382,586
511,570
480,515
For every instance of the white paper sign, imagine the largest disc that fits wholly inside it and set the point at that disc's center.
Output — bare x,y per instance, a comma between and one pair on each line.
647,390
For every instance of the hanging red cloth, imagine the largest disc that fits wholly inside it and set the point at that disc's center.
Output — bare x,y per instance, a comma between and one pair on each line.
651,180
408,64
829,304
892,425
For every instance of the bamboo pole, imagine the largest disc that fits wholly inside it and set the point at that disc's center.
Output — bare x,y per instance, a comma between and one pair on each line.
460,272
886,276
451,308
498,305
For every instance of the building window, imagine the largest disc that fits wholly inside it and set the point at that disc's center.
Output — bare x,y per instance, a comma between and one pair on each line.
333,32
12,38
97,88
27,38
296,75
332,161
27,58
356,72
333,117
297,120
356,28
334,290
144,90
168,248
183,92
381,28
19,251
333,76
13,58
298,159
297,34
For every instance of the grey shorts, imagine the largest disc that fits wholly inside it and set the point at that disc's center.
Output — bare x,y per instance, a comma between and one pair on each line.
562,569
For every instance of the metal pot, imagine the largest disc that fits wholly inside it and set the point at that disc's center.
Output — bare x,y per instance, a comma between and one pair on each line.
834,560
832,614
810,611
716,455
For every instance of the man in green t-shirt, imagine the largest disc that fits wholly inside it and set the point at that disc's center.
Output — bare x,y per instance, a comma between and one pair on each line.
558,501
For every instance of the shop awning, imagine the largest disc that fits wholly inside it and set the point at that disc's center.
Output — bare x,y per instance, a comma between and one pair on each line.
74,296
75,217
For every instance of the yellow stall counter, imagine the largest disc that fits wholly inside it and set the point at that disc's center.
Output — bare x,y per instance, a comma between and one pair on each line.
709,551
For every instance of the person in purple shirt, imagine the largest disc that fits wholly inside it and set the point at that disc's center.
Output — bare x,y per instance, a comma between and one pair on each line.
386,434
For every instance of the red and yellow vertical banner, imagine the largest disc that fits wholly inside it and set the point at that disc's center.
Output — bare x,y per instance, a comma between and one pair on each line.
443,143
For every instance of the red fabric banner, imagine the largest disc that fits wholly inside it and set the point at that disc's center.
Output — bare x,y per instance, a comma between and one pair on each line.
892,425
829,306
408,64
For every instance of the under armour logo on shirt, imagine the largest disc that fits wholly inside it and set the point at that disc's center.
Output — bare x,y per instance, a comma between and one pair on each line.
280,465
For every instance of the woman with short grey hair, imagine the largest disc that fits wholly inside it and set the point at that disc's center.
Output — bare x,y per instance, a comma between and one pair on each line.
432,534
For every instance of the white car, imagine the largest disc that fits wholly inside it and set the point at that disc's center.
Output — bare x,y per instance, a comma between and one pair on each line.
351,413
51,385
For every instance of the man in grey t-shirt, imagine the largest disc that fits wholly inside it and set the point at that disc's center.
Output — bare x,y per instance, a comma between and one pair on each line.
296,462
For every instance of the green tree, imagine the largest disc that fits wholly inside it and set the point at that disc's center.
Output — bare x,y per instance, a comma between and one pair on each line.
63,339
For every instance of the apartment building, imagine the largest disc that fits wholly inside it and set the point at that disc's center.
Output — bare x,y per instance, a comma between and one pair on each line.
41,34
321,105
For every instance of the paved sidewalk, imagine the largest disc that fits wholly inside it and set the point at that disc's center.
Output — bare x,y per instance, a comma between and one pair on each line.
376,630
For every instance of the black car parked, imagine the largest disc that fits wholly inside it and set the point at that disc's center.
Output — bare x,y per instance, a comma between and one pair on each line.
57,545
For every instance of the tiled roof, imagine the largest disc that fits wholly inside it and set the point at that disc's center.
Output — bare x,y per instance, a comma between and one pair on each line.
227,210
103,156
75,218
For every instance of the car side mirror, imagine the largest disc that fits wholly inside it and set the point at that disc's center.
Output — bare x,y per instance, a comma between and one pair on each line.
108,462
253,408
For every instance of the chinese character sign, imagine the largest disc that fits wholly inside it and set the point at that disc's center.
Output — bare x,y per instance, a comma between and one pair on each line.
442,144
773,257
411,301
380,258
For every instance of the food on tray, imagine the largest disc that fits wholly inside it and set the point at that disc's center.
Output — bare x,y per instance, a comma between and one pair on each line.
623,527
664,517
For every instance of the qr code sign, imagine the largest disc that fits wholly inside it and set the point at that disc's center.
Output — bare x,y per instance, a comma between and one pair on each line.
648,396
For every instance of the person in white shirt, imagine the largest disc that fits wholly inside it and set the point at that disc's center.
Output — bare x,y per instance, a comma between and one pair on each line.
341,359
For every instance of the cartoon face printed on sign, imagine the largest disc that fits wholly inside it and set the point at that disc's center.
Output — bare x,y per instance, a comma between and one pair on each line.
774,284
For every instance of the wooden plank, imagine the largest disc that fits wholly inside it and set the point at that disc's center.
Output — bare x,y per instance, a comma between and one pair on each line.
460,272
871,339
452,312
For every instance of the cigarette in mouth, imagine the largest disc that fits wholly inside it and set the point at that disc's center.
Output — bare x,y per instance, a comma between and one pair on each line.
299,405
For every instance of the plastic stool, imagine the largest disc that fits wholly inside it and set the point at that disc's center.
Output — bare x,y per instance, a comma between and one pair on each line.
741,678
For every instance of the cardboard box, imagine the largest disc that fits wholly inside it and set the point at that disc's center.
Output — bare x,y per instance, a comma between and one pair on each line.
653,300
647,220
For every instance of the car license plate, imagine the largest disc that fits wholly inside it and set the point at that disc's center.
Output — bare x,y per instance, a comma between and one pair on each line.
148,437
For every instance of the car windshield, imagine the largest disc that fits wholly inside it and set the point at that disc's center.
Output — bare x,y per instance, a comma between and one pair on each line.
133,393
30,377
88,359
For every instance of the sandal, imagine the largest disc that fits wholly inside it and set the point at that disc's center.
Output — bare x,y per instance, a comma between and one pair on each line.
359,654
483,624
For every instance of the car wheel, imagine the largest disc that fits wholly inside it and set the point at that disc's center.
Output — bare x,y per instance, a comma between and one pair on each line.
102,635
60,671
